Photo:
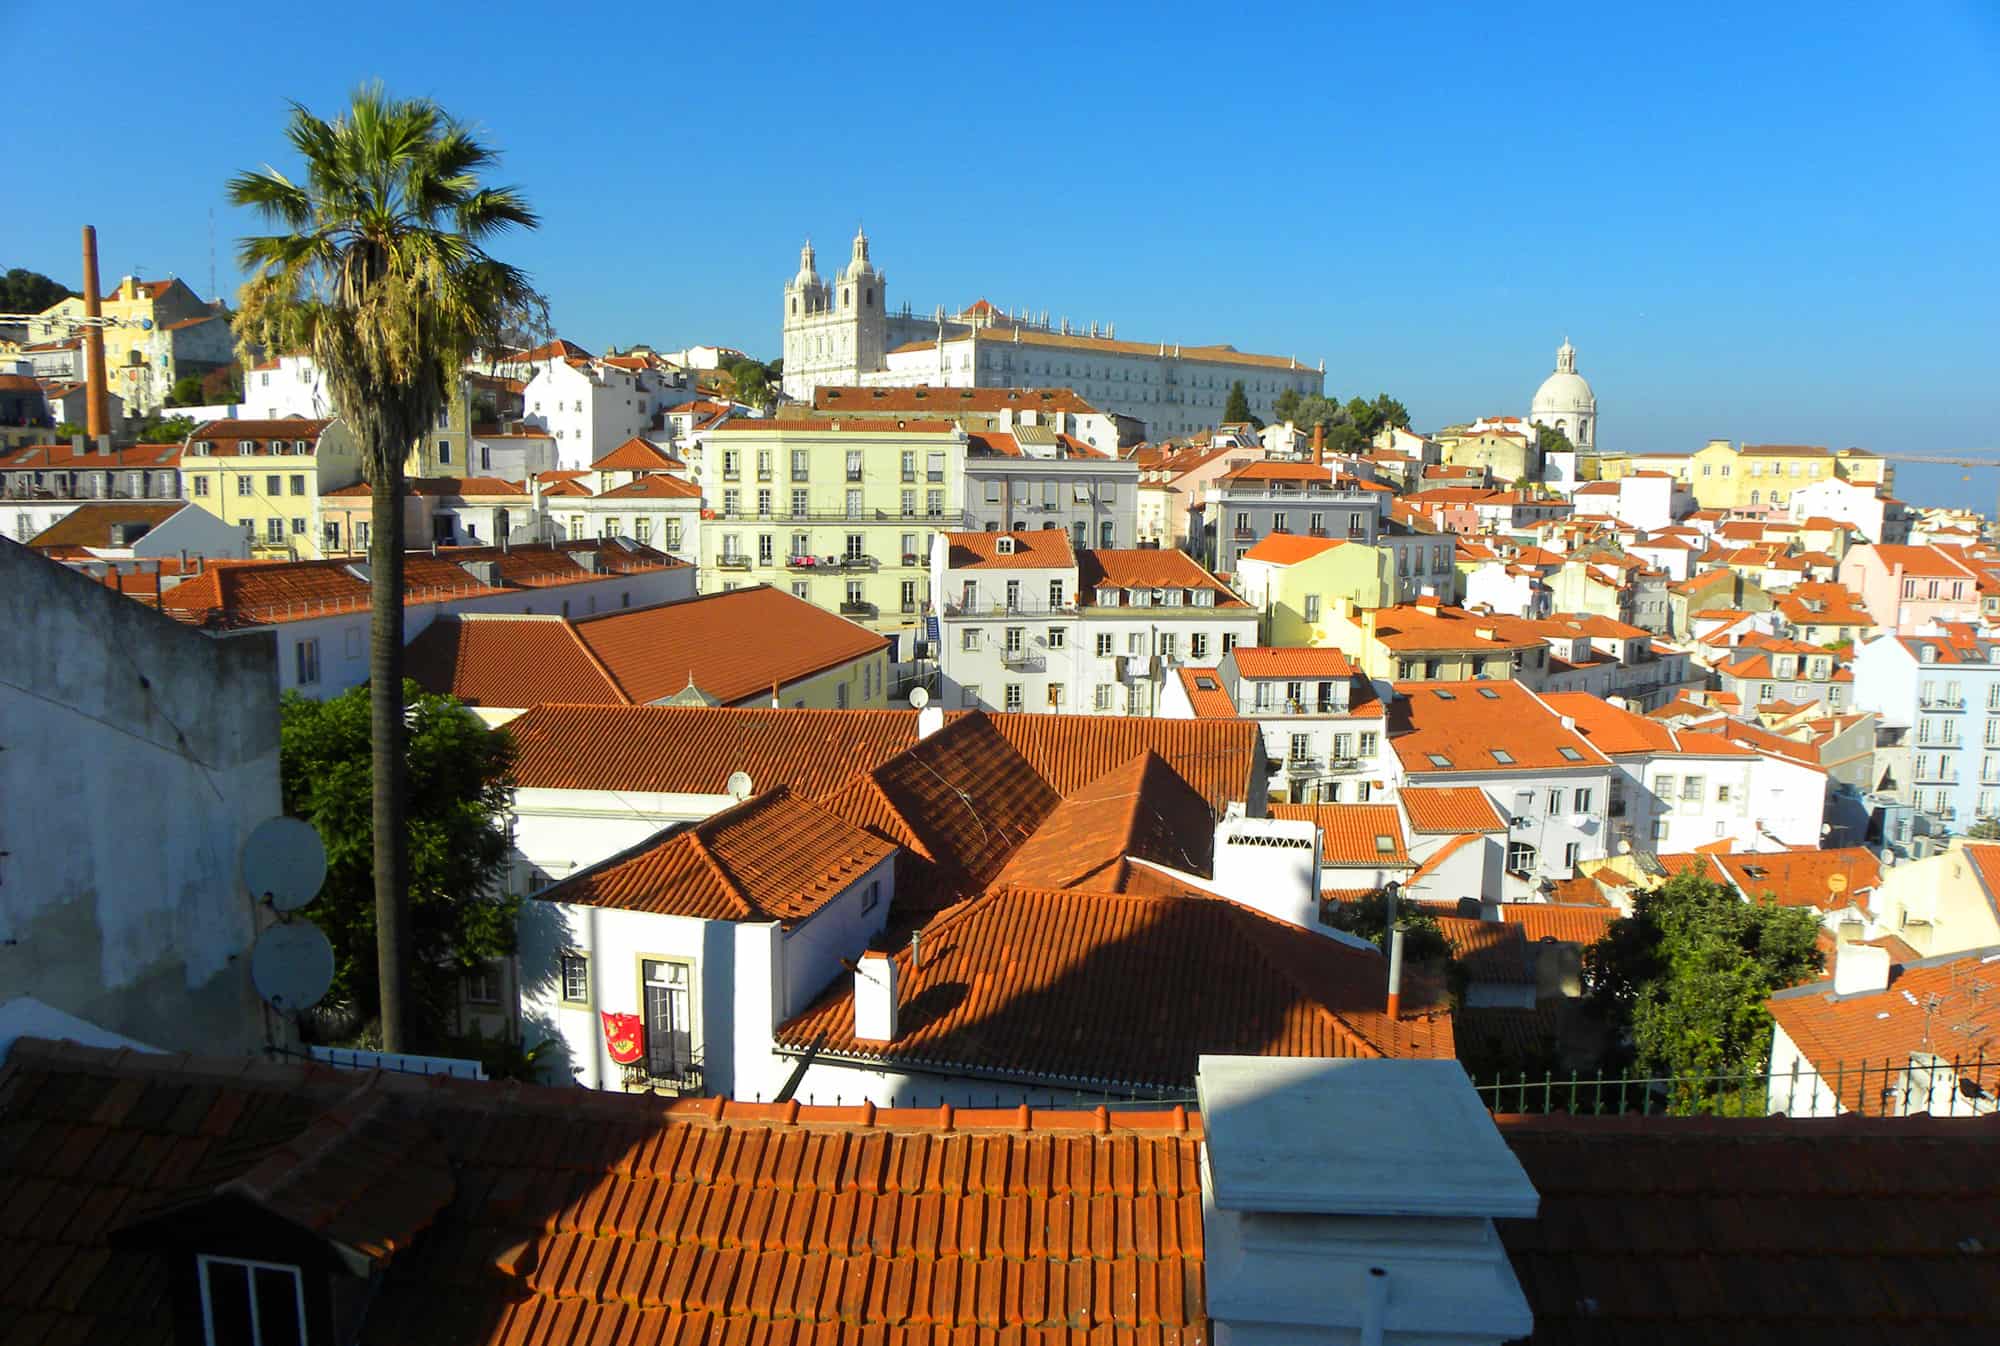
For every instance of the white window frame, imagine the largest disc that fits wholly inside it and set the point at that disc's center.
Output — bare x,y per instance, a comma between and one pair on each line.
204,1261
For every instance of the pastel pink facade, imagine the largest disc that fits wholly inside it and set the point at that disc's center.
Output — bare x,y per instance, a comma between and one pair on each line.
1907,588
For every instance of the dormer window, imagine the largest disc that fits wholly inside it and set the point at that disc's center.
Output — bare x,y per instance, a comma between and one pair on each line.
1004,545
1141,598
1107,597
253,1303
1204,598
1171,598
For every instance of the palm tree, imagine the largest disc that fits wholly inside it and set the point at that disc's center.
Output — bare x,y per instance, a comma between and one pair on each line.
381,272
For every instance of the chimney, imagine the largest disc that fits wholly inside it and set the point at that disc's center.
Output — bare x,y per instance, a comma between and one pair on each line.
1427,602
97,408
1395,1006
929,720
1348,1200
1319,445
776,704
875,998
1271,864
1859,969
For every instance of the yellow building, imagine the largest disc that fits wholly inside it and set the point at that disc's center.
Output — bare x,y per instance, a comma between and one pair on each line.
270,476
1757,476
1431,642
1508,455
1865,469
1299,583
837,512
145,320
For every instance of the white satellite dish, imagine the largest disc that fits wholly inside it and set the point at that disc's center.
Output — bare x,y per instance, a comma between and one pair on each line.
740,786
284,861
292,966
919,698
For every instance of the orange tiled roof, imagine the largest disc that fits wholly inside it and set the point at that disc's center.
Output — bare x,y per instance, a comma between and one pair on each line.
1804,878
819,425
653,486
773,857
1450,808
554,1210
1206,695
1138,810
90,524
734,646
1291,661
1468,726
1123,989
1265,469
1919,560
1492,951
1218,759
831,400
1564,922
437,487
1291,548
1353,834
291,427
1408,627
1837,1033
66,456
636,455
1032,549
1147,568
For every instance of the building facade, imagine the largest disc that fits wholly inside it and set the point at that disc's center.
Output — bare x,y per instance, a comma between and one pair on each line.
269,477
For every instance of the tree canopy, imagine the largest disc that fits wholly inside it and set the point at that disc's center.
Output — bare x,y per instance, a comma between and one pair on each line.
1684,979
186,392
750,382
1548,439
1351,426
159,429
460,785
1236,411
25,291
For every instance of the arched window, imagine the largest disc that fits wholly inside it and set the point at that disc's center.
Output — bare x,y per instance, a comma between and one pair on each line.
795,308
868,297
1753,497
846,297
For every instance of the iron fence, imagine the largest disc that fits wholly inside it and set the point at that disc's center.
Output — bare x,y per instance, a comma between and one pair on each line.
1919,1085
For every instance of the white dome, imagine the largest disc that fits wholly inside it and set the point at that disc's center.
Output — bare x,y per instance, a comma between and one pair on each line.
1563,394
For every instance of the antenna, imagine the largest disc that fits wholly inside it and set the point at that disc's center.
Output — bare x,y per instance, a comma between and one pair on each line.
740,786
283,863
292,966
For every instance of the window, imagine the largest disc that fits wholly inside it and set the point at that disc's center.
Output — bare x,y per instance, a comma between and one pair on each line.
200,486
968,694
298,527
669,1025
1693,789
1722,794
854,465
444,446
853,504
1055,595
1368,742
1135,643
274,530
764,501
1520,858
799,505
1057,637
482,985
1013,638
1101,700
934,502
1503,757
245,1303
1312,607
1301,749
1198,645
800,459
871,895
1055,696
306,662
1571,854
1555,801
1583,801
274,484
1104,643
840,697
1013,701
1663,786
245,486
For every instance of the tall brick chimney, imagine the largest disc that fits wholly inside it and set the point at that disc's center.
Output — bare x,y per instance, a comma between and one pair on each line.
1319,444
97,414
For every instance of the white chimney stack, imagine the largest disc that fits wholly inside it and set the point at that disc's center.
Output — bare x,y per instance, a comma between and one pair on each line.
875,998
1860,968
1271,864
1349,1201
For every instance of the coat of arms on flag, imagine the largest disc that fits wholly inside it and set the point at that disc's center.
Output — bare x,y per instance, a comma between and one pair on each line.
624,1037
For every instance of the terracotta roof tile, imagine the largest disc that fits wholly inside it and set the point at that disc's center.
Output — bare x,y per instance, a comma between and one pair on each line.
1291,661
1353,834
1805,878
773,857
509,662
1221,761
1140,809
1481,726
1565,922
1460,809
1124,989
1147,568
1029,549
90,524
1206,694
636,455
653,486
1492,951
830,399
1291,548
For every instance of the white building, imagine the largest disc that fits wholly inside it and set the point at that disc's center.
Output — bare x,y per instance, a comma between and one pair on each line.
140,756
290,385
1877,518
1675,790
1325,731
1565,402
842,332
1550,783
589,406
1028,622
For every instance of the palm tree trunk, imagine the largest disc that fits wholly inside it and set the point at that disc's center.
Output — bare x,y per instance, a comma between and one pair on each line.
388,731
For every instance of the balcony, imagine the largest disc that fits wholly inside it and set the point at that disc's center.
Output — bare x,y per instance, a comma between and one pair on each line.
732,563
1341,766
1301,766
859,562
857,609
1942,703
988,608
643,1077
1023,661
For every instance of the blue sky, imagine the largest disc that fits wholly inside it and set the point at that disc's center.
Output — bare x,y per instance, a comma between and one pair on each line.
1761,221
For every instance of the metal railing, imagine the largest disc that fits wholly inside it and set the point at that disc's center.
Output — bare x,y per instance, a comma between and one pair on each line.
857,609
641,1077
1919,1085
1942,703
1023,661
991,608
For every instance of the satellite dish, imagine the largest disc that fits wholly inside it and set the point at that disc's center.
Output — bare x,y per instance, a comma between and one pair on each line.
1836,883
919,698
284,861
740,786
292,966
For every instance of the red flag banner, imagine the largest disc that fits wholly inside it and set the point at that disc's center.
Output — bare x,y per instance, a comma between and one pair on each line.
624,1037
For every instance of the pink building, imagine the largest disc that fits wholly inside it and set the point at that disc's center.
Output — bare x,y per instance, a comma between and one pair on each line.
1905,588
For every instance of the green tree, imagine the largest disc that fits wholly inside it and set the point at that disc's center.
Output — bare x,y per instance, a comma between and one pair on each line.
749,383
1423,937
222,385
25,291
68,430
186,392
380,269
1548,440
1286,407
158,429
1986,829
460,783
1684,979
1236,411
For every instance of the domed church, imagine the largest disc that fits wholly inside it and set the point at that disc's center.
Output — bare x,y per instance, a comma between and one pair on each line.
1564,402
